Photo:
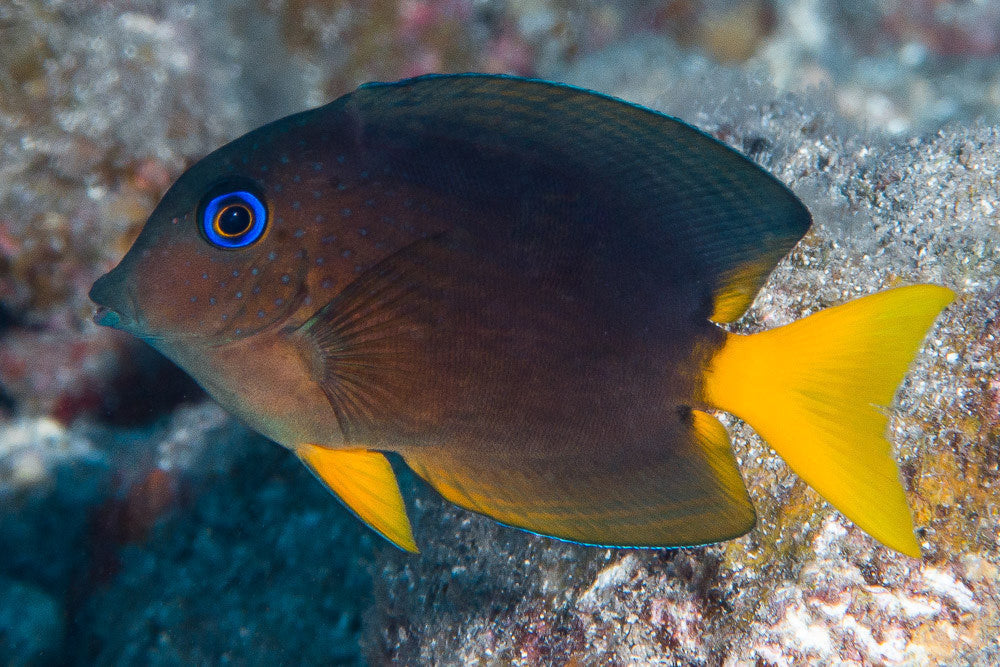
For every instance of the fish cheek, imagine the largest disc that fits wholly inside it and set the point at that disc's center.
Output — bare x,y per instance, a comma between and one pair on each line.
261,292
186,289
171,289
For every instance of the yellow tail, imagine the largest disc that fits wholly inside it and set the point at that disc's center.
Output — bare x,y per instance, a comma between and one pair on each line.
818,391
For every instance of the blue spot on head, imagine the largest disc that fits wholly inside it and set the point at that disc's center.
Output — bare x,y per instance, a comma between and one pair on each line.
341,159
317,166
194,299
211,300
255,289
239,295
254,271
279,302
299,233
286,278
346,212
260,313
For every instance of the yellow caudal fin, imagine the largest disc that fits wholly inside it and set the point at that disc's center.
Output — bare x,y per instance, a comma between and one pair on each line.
819,390
365,482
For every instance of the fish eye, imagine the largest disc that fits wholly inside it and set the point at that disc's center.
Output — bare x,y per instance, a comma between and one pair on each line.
234,219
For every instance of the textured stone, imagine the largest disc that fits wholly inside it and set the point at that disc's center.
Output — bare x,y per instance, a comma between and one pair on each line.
170,535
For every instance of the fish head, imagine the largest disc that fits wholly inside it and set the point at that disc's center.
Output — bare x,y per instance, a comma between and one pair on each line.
219,277
218,260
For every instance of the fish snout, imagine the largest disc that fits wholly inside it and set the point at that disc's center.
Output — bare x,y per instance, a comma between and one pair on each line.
115,304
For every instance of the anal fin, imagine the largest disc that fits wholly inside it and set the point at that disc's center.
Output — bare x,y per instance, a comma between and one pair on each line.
364,481
681,491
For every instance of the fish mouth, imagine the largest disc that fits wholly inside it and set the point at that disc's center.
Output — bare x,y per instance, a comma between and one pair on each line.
106,317
115,307
109,317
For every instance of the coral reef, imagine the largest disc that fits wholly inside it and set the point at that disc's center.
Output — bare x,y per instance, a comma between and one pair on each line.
141,524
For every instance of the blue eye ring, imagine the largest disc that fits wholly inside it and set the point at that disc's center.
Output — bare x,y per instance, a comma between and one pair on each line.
234,219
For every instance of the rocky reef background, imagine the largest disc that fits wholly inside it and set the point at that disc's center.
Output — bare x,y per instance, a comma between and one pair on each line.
139,524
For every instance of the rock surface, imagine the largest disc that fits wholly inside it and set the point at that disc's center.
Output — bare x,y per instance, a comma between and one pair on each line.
140,524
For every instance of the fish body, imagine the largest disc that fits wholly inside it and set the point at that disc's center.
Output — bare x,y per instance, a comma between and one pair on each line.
515,285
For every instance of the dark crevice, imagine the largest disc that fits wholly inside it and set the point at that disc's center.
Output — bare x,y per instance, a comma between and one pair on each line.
147,387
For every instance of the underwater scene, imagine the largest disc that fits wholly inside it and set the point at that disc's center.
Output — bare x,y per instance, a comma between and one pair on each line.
530,332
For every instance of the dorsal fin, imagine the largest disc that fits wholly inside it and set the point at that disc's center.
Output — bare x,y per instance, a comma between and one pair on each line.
730,220
365,483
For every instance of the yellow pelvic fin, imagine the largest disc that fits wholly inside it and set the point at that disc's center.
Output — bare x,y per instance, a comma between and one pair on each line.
365,482
818,391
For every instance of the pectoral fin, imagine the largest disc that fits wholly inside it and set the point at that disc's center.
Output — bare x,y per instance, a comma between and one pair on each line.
365,482
370,336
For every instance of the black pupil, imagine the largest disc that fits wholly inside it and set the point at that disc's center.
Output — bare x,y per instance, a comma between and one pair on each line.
235,219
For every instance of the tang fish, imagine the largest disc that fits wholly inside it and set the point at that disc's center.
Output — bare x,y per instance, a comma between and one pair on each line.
517,287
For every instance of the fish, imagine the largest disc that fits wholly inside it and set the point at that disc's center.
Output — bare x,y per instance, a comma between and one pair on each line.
524,291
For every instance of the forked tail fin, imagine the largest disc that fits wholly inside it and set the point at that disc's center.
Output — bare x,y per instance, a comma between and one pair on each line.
818,391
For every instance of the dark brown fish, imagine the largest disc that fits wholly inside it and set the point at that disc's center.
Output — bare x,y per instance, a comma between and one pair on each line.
514,285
